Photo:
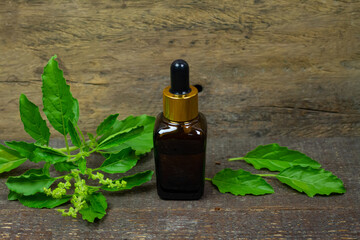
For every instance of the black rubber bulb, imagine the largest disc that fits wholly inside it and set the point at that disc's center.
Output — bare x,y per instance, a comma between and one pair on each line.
179,77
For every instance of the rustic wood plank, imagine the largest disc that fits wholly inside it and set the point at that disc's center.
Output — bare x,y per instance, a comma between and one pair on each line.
271,72
284,68
140,214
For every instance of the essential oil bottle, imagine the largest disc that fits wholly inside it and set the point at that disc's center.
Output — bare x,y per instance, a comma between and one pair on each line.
180,139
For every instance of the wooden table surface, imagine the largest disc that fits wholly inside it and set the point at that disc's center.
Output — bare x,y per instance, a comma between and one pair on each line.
271,71
140,214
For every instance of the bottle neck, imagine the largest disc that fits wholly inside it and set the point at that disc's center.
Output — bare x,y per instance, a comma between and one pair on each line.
182,107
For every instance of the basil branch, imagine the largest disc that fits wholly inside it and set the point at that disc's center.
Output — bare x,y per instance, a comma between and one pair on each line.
266,175
36,188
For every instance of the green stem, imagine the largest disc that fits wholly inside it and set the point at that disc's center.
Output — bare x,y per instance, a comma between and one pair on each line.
71,148
61,176
234,159
65,149
82,135
93,150
266,175
67,144
208,179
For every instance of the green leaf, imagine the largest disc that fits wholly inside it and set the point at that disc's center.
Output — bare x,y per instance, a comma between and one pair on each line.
41,200
120,162
9,159
82,165
65,166
36,153
241,182
29,184
48,155
37,171
38,200
106,124
75,138
311,181
119,138
46,168
98,202
142,143
277,158
91,136
12,196
96,207
24,148
132,181
34,124
59,104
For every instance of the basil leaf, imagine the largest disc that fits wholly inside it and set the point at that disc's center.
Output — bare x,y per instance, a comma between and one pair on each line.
59,104
82,165
96,207
24,148
46,168
98,202
241,182
120,162
29,184
37,171
277,158
34,124
142,143
91,136
75,139
9,159
65,166
38,200
132,181
41,200
47,155
36,153
106,124
119,138
311,181
12,196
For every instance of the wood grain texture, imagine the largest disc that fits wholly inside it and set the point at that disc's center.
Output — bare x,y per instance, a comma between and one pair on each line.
268,68
140,214
272,71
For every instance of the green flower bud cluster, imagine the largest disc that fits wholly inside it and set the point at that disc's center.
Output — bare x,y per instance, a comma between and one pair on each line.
93,143
60,191
107,181
81,190
70,213
80,193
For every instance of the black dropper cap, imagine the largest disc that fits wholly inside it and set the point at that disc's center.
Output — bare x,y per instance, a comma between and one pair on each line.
179,77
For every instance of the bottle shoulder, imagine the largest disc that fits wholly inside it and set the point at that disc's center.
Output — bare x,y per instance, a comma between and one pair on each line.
195,127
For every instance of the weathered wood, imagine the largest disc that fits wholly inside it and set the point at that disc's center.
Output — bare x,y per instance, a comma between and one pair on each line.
140,214
271,72
284,68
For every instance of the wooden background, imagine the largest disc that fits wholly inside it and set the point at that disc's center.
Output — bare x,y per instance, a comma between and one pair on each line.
268,68
285,71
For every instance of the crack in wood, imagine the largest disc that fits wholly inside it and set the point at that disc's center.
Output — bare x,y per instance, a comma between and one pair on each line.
304,108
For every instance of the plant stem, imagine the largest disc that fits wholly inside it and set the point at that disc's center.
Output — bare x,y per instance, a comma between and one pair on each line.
208,179
234,159
67,144
82,135
61,176
266,175
93,150
65,149
71,148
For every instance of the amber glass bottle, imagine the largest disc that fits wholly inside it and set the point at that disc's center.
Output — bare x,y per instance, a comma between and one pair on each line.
180,139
